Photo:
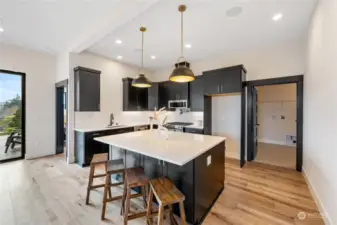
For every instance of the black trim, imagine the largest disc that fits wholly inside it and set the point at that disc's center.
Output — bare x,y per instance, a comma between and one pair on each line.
23,114
59,131
299,113
243,127
87,69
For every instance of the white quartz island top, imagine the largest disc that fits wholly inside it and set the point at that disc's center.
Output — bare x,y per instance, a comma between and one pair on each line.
179,148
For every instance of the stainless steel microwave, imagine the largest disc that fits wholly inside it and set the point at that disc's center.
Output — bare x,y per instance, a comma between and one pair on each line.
177,104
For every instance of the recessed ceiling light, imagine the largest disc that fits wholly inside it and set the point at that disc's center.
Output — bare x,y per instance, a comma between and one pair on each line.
119,57
153,57
1,29
277,16
188,46
118,41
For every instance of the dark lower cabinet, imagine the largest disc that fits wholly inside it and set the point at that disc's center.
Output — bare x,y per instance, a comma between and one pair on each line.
86,146
193,130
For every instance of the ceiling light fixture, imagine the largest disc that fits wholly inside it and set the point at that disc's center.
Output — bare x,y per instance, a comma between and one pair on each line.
188,46
141,81
1,29
153,57
182,73
277,16
119,57
118,41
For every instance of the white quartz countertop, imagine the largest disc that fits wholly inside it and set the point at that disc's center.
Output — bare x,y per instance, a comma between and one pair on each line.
93,129
179,149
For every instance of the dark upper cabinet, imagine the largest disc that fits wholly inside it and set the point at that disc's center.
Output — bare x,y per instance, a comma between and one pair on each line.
134,99
153,96
87,89
197,94
225,80
163,96
177,91
169,90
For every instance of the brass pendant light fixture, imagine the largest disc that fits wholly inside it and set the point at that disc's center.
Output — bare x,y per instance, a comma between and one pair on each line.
141,81
182,73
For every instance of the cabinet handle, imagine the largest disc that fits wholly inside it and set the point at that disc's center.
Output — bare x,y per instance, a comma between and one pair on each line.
218,89
95,134
221,88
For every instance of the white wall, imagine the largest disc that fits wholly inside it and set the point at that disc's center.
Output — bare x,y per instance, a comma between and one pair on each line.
226,122
320,108
40,96
282,60
275,101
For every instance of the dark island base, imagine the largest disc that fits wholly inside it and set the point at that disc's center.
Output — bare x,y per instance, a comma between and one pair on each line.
199,182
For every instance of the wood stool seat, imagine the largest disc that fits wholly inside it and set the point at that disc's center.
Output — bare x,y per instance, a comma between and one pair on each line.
100,158
97,159
166,194
134,177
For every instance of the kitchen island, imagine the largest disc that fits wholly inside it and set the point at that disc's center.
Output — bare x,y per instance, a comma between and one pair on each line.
194,162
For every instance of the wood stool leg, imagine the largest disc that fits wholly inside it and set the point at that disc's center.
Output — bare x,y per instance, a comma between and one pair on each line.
127,206
161,215
123,196
149,206
182,213
106,171
144,196
172,219
105,195
91,179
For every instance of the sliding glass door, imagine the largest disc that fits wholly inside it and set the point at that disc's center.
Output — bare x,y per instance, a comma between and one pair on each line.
12,115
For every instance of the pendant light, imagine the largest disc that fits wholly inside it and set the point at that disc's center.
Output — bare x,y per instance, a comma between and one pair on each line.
141,81
182,73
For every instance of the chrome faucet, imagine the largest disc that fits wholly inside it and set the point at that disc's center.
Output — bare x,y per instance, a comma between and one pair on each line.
111,119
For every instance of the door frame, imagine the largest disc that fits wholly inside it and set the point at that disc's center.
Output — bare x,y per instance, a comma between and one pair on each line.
61,84
23,114
298,80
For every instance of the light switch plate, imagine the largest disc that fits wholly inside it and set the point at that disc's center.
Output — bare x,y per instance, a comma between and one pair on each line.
209,160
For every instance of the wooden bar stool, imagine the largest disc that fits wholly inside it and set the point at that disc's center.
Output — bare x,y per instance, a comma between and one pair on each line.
98,159
134,178
166,194
115,166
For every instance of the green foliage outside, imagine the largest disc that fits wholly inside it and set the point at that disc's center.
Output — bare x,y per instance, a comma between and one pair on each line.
12,122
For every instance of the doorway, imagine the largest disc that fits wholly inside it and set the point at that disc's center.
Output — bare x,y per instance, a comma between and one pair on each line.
286,115
61,116
12,115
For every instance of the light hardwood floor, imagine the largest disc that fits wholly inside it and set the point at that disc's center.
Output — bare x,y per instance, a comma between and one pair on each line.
277,155
47,191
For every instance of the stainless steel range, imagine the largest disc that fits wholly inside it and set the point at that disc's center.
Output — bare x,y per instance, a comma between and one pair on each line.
177,126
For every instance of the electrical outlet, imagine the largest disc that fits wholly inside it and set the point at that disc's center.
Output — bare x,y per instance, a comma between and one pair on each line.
209,160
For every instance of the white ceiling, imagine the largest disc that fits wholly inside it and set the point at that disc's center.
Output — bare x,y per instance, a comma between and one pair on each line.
207,28
61,25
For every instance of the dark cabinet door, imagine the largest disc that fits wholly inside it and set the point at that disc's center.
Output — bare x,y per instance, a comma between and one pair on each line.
212,82
134,99
231,81
87,89
163,95
193,130
153,95
197,94
177,91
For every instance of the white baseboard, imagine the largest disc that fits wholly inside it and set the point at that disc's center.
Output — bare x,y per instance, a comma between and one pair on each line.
326,217
276,142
